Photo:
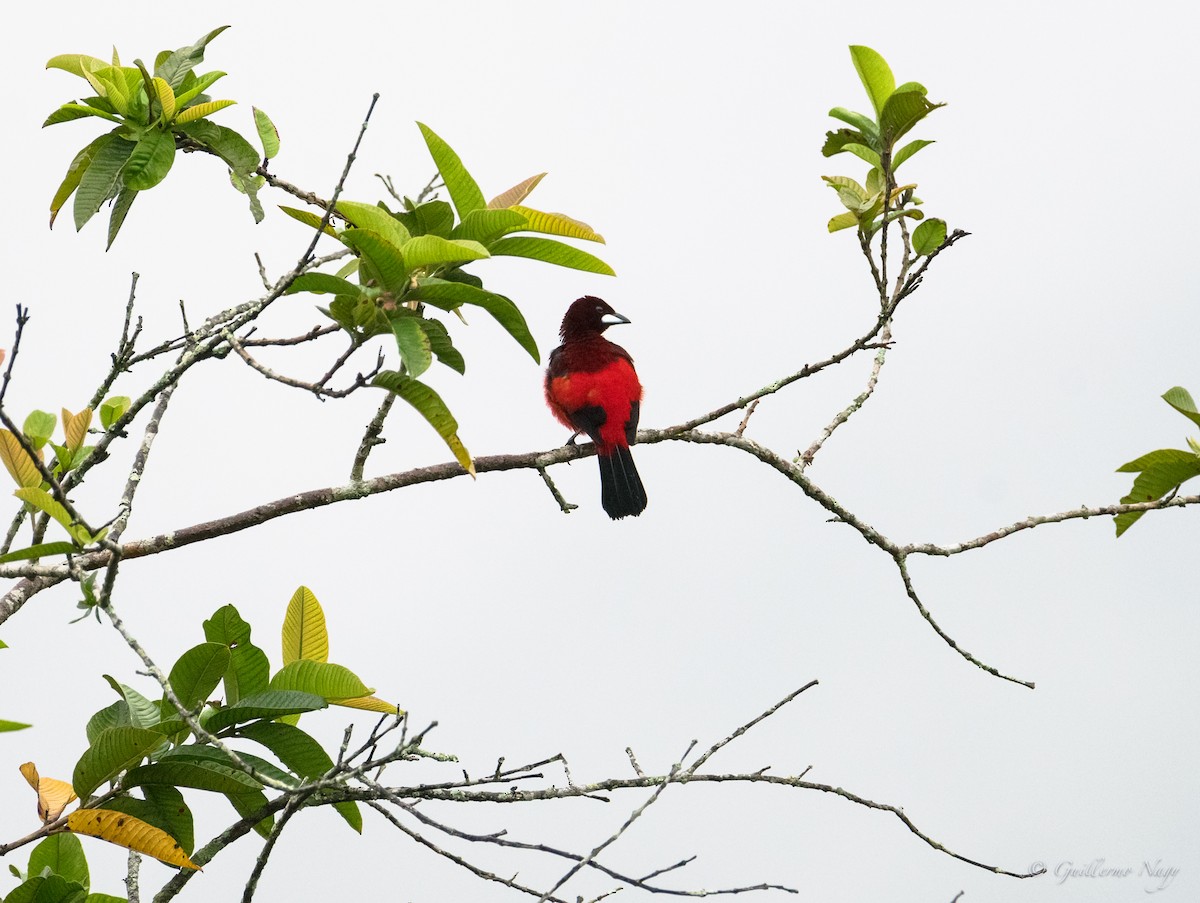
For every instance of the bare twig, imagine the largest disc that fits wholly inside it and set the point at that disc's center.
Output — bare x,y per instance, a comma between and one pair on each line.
371,437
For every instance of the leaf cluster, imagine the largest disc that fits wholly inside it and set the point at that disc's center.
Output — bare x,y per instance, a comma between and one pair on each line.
157,113
873,138
411,261
1163,471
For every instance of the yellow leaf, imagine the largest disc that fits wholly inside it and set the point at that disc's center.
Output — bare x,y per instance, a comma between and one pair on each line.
130,833
557,224
53,795
369,704
18,464
516,194
166,98
76,427
200,110
304,634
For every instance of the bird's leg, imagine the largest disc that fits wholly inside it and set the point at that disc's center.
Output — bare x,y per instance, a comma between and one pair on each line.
575,435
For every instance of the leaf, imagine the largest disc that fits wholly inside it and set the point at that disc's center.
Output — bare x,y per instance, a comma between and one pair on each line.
211,755
323,679
557,224
430,218
441,345
75,172
150,160
322,284
551,251
41,500
369,704
6,726
164,808
113,409
903,110
211,776
197,673
69,112
413,343
41,550
837,141
309,219
236,151
267,133
433,250
101,179
449,295
385,265
142,712
63,855
864,153
116,749
249,672
17,462
485,226
863,123
843,221
376,219
201,110
1159,472
39,427
75,426
464,192
516,194
193,86
115,715
165,97
76,63
250,803
875,74
130,833
304,633
48,889
292,746
929,236
1181,400
176,65
907,151
120,209
430,406
53,795
268,704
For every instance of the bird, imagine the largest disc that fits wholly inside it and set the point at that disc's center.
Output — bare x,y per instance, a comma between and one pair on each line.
592,388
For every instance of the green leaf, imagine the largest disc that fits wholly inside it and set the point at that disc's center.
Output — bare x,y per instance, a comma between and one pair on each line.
249,672
292,746
150,160
557,224
430,406
843,221
309,219
907,151
267,133
79,165
837,141
48,889
412,342
120,209
384,264
69,112
63,855
902,111
448,295
430,218
43,501
142,712
270,704
192,87
375,219
197,673
102,178
1158,472
863,123
1181,400
76,63
176,65
238,153
227,627
441,345
551,251
464,192
324,679
115,750
322,284
164,808
875,74
115,715
113,409
12,726
39,427
204,755
211,776
929,236
41,550
250,803
485,226
432,250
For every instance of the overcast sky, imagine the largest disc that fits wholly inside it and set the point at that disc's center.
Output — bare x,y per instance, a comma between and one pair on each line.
1025,370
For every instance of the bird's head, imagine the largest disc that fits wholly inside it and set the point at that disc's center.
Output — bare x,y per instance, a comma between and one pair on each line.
589,315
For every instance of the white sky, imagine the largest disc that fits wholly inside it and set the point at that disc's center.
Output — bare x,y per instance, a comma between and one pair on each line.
1026,369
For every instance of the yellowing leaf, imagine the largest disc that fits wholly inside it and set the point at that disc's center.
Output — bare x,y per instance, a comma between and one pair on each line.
130,833
369,704
17,462
166,98
53,795
557,224
516,194
304,634
76,427
200,110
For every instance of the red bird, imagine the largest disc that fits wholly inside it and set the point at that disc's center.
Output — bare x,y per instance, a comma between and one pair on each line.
592,388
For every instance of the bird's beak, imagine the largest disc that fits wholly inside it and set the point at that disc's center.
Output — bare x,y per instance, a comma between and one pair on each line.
613,319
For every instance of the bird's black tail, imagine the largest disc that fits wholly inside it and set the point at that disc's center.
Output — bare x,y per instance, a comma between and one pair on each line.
621,490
